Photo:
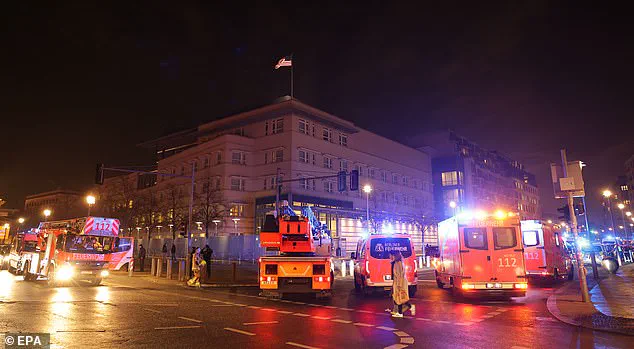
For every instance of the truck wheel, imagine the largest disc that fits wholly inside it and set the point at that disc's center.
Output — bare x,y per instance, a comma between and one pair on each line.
412,291
365,290
96,282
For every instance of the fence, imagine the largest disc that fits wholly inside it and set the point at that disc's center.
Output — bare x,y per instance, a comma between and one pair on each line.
234,247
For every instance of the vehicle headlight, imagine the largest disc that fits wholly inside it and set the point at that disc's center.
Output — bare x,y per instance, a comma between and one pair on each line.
65,272
104,273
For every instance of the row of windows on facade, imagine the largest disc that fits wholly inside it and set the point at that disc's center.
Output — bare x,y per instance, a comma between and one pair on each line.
327,134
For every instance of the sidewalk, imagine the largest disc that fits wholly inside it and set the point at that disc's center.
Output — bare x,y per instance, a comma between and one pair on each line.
611,309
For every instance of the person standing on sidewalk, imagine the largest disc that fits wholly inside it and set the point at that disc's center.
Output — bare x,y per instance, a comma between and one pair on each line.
206,252
142,257
400,296
164,249
173,251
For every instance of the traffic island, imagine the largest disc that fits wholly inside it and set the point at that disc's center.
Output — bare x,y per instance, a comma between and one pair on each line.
610,309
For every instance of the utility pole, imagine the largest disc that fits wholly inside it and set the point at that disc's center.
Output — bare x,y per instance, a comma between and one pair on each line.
278,190
585,297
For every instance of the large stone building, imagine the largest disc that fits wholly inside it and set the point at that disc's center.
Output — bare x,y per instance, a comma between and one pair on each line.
236,160
477,178
62,203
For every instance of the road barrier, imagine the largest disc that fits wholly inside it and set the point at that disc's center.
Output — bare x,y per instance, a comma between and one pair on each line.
169,269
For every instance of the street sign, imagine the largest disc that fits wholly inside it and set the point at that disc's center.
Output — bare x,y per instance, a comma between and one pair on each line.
573,183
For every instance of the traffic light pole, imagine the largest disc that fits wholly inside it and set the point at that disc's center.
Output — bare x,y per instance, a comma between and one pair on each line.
585,296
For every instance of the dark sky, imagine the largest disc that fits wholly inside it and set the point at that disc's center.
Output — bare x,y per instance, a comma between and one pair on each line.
83,83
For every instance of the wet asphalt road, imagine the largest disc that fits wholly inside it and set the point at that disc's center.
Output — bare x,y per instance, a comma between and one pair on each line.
137,312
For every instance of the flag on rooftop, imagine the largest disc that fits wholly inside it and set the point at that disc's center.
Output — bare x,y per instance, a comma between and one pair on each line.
284,62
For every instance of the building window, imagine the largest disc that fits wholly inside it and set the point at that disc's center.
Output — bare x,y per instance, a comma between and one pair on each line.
206,162
328,186
217,185
303,156
327,135
384,196
238,131
277,126
307,184
278,155
343,140
303,126
218,158
238,184
405,181
358,168
394,179
383,176
371,172
182,170
343,165
236,211
454,195
238,157
327,162
451,178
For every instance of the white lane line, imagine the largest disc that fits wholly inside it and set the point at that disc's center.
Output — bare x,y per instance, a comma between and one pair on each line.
284,312
261,323
341,321
423,319
464,323
396,346
152,310
254,307
546,319
301,314
386,328
346,309
329,307
407,340
268,309
301,345
239,331
487,316
314,305
176,327
301,303
401,334
494,313
190,319
240,305
164,304
321,317
364,311
442,321
219,305
362,324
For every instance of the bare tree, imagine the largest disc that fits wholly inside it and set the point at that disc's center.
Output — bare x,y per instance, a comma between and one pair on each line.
147,210
120,199
208,204
173,207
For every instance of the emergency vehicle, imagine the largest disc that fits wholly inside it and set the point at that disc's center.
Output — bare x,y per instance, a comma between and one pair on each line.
121,256
23,249
372,267
302,262
545,251
73,249
481,254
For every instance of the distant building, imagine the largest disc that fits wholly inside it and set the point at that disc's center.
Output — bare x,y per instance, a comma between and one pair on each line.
8,223
62,203
236,159
477,178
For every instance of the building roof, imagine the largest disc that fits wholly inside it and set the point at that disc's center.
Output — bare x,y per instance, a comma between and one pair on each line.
53,192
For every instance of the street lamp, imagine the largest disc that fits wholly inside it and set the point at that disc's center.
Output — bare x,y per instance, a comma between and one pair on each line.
90,200
235,224
550,221
216,221
367,189
453,206
621,207
608,194
21,220
47,213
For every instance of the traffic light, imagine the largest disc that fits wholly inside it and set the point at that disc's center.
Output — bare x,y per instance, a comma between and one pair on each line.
341,181
354,180
99,174
579,209
565,211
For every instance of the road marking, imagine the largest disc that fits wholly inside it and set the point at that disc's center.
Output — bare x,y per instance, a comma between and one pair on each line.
301,303
546,319
347,309
495,313
341,321
423,319
239,331
176,327
321,318
301,314
401,334
464,323
362,324
442,321
301,345
261,323
386,328
364,311
152,310
329,307
284,312
240,305
219,305
396,346
268,309
407,340
190,319
164,304
254,307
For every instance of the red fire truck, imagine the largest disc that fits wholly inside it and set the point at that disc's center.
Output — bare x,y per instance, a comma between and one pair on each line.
73,249
481,254
545,251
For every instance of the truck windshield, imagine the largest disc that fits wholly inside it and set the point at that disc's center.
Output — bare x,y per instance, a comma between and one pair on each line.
88,244
531,238
380,248
29,246
504,238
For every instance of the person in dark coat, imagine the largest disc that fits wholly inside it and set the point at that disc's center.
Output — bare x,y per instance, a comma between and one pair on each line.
142,257
173,251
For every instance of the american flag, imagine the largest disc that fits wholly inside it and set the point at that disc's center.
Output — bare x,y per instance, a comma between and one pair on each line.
284,62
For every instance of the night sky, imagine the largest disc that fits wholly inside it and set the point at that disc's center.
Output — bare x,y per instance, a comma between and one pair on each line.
85,83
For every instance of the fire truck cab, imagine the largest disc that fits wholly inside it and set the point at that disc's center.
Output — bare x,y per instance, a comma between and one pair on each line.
372,267
481,254
24,248
545,251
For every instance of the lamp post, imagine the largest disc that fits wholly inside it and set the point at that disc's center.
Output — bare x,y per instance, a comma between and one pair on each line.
216,221
47,213
621,207
608,194
453,206
90,200
367,189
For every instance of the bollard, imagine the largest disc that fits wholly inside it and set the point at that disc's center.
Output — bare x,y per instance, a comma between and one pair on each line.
181,270
428,261
131,267
343,268
233,271
153,268
351,267
159,267
420,262
169,269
